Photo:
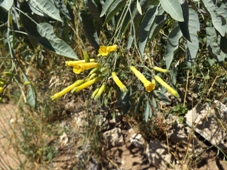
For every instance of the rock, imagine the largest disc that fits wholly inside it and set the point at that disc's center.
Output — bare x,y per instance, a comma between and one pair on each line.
208,122
137,140
158,155
113,137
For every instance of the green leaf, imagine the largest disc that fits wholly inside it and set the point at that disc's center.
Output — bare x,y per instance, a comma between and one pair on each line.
113,9
50,41
194,27
7,4
106,7
144,28
218,21
31,95
44,34
173,7
184,25
148,111
213,41
89,29
48,8
160,20
172,45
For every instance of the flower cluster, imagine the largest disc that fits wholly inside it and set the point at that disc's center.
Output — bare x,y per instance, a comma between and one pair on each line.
99,73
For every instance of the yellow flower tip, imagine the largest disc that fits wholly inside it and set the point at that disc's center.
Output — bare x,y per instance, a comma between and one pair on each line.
100,91
118,82
87,84
123,89
105,50
164,84
149,86
77,69
55,96
1,89
160,69
112,48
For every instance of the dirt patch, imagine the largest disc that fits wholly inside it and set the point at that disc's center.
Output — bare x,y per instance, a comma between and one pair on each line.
10,158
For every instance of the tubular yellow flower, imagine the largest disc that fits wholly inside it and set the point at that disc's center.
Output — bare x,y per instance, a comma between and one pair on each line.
164,84
73,63
84,66
160,69
118,82
66,90
99,93
94,93
105,50
149,86
87,84
1,89
1,83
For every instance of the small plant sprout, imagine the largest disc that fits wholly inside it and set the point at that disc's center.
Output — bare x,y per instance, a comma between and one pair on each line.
118,82
149,86
105,50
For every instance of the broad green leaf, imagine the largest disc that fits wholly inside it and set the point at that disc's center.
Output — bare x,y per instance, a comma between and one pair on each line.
106,7
62,7
90,31
48,8
172,45
213,41
31,95
130,38
160,20
173,7
7,4
148,111
144,28
218,21
114,9
194,27
50,41
184,25
94,10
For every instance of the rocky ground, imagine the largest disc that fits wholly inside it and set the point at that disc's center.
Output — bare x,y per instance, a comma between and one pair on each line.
123,144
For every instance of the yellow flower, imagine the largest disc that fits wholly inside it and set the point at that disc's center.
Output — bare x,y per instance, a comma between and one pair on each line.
84,66
73,63
66,90
1,89
105,50
149,86
87,84
118,82
164,84
100,91
160,69
94,93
